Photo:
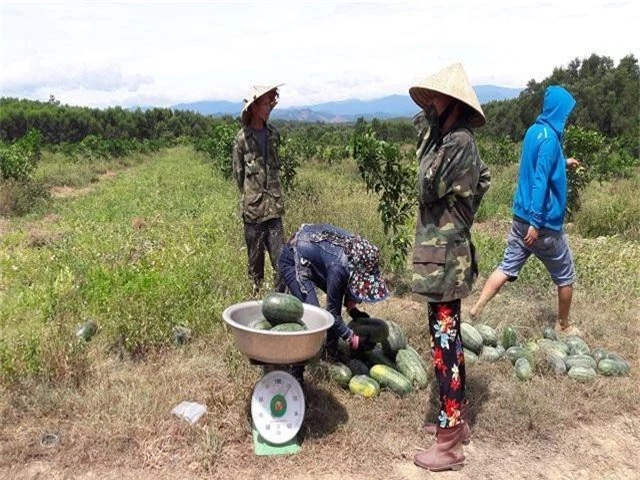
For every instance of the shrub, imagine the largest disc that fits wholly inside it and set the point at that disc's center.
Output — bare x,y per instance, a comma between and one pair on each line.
20,197
385,173
19,159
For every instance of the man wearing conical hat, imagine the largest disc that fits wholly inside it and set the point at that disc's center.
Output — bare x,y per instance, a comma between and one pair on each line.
256,170
451,181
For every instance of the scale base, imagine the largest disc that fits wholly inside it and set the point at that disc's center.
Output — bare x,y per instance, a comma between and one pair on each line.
263,448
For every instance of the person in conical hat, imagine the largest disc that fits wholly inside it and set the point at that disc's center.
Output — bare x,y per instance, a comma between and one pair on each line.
256,170
451,182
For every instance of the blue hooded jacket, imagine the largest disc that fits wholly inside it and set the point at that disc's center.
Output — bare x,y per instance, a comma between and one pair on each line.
541,195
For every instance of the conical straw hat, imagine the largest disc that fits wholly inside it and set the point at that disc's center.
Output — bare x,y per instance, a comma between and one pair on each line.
255,92
451,81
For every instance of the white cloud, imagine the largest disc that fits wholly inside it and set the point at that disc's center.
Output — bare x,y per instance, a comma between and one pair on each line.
102,53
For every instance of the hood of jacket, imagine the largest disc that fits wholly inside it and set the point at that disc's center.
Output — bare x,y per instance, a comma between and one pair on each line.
556,108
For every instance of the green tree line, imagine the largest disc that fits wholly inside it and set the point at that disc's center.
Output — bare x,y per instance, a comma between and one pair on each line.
607,96
69,124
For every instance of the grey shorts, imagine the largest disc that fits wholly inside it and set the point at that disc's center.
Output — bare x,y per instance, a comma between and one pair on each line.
551,248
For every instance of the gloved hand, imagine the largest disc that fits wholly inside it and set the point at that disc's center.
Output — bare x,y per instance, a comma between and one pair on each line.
355,313
354,341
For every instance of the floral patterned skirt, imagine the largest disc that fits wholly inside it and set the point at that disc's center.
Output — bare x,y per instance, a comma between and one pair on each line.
448,359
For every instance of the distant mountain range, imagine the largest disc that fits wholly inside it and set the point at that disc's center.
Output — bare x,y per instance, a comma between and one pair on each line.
392,106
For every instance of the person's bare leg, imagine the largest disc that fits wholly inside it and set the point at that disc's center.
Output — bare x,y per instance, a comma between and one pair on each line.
491,288
565,295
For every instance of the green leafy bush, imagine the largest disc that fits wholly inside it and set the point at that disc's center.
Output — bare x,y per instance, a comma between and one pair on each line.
289,162
218,146
600,160
18,160
394,181
500,151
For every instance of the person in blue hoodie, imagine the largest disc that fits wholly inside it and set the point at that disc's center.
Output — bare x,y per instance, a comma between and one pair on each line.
539,206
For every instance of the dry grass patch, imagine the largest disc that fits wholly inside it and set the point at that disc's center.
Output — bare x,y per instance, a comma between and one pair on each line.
63,191
119,416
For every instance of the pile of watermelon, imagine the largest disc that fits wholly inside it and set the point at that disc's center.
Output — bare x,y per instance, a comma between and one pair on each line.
391,364
569,355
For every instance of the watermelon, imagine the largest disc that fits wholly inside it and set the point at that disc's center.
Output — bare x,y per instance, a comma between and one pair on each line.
471,338
364,386
523,369
611,367
580,361
282,308
618,358
87,330
358,367
563,347
344,351
508,338
598,354
501,351
411,367
470,358
423,362
371,329
392,379
582,374
395,340
532,347
545,343
377,356
340,373
489,354
555,360
180,335
576,345
488,334
288,327
516,352
261,324
550,334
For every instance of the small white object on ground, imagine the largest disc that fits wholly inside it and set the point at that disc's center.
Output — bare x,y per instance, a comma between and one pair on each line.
190,411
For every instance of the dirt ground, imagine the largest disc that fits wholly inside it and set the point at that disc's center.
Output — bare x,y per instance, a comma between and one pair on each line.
597,452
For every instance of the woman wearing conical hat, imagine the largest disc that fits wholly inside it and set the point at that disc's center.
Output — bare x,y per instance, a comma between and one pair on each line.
256,170
451,182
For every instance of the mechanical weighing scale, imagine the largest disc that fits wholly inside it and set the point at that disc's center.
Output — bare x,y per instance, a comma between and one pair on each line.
277,402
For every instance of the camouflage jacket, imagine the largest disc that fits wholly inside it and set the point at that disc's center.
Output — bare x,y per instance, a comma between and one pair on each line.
451,182
258,178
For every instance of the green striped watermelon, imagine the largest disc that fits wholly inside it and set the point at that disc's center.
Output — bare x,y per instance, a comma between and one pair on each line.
471,338
582,374
282,308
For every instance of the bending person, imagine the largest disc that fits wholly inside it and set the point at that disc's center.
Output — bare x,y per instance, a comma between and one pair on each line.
343,265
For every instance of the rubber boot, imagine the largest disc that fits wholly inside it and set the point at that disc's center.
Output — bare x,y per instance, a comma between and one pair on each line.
446,454
432,428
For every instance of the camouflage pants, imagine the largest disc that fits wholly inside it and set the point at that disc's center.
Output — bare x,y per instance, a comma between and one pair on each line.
448,359
257,236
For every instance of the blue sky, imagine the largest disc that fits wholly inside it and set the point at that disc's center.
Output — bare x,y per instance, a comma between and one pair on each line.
99,53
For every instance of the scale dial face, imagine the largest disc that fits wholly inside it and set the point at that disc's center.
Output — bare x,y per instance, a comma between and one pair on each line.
277,407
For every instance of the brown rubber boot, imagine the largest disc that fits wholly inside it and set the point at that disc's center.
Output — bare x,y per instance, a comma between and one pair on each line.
446,454
432,428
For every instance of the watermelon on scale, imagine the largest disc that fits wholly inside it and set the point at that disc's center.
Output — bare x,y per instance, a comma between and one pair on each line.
280,308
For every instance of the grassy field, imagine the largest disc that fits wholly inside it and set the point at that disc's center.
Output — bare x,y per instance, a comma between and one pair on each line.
143,249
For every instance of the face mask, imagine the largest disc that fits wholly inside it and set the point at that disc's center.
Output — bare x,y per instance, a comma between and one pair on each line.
431,115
